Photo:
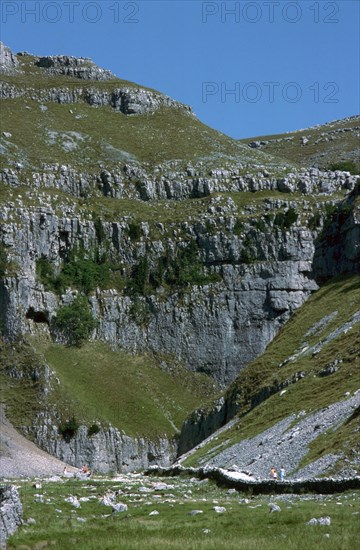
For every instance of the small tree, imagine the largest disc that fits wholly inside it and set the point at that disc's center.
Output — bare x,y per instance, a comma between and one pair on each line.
75,321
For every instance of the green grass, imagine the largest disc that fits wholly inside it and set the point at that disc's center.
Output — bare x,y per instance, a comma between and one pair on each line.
246,524
107,136
113,137
310,393
97,384
125,390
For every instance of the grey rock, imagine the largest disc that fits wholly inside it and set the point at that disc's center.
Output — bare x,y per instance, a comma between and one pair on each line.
286,443
8,60
119,507
77,67
109,450
73,500
10,512
219,509
195,512
274,507
319,521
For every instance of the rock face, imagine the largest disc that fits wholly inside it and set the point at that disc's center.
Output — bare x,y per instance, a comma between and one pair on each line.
8,61
77,67
175,183
209,287
126,100
340,243
130,100
263,274
10,512
106,451
215,328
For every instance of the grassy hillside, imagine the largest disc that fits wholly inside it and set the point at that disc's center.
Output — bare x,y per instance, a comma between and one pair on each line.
85,136
327,145
94,383
293,351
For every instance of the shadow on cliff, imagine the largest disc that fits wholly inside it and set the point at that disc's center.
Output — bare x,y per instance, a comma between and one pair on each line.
337,248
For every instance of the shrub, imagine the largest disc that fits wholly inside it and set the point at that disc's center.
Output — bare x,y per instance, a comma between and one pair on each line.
85,274
188,269
140,276
45,273
210,228
134,231
284,220
75,321
99,230
345,166
238,227
139,312
248,253
315,221
69,429
3,261
93,430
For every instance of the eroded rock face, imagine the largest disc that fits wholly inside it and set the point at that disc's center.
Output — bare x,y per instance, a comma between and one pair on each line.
163,183
78,67
8,60
106,451
215,328
340,243
10,512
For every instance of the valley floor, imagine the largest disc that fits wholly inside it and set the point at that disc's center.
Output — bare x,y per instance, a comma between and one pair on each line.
134,511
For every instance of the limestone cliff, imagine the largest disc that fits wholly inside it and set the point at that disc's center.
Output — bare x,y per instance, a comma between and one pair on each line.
202,256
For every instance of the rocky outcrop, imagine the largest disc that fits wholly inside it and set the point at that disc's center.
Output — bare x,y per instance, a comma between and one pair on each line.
337,250
202,423
10,512
125,100
77,67
138,182
8,61
106,451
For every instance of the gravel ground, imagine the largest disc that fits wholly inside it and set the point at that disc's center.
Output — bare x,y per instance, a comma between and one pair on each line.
20,457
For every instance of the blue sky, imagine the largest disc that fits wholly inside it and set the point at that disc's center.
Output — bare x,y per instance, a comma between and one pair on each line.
246,67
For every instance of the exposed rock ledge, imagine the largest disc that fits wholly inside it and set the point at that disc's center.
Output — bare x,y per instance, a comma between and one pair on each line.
107,451
10,512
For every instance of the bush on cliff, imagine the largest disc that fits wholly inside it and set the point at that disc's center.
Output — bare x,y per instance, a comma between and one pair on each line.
75,321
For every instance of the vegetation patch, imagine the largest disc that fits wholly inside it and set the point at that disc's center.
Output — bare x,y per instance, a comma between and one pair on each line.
75,321
99,385
68,429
